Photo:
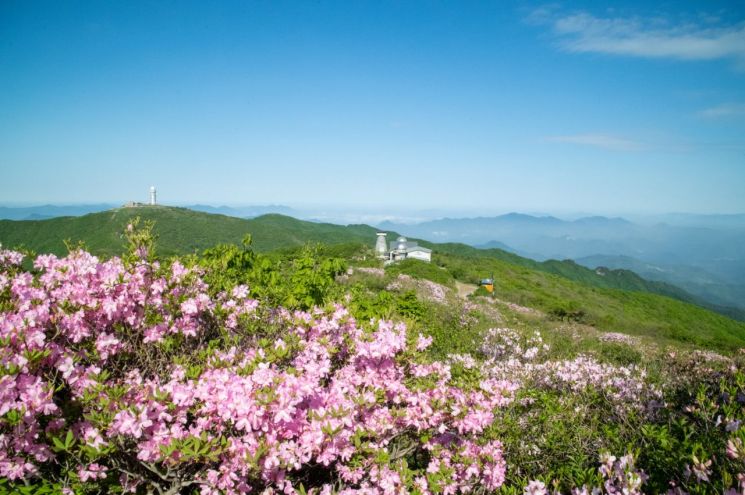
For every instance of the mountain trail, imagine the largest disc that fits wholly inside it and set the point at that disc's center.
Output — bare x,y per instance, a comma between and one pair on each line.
465,290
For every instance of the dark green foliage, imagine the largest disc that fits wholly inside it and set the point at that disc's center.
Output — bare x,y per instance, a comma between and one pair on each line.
306,280
227,265
408,306
695,428
454,330
38,487
311,279
556,437
366,305
568,311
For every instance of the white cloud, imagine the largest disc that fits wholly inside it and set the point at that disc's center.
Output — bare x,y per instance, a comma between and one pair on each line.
649,38
603,141
723,111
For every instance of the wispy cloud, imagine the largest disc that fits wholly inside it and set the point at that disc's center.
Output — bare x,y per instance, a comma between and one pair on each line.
650,38
603,141
725,110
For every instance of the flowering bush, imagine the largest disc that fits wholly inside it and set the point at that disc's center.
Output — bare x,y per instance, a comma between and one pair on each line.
138,375
128,373
511,356
699,436
428,290
620,338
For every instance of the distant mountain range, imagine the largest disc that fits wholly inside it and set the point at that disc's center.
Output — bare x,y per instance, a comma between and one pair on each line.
711,248
50,211
732,221
703,254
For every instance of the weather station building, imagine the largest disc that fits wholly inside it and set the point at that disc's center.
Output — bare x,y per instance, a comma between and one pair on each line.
400,249
152,202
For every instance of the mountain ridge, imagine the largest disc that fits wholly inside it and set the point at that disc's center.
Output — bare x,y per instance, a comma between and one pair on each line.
182,230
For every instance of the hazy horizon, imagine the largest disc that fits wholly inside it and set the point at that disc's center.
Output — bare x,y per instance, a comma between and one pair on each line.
403,215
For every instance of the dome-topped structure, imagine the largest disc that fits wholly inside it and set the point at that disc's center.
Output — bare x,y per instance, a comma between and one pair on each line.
400,249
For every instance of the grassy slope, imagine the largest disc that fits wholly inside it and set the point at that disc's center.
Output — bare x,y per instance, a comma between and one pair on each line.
609,279
637,313
179,231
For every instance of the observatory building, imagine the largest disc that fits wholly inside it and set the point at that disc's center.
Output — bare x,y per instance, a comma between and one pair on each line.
152,202
400,249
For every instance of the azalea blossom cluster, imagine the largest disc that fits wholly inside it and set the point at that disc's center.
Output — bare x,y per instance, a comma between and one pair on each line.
619,338
426,289
512,306
468,312
502,344
465,360
61,327
522,359
325,405
626,387
619,475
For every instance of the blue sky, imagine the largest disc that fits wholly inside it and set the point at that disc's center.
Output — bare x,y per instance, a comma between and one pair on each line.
463,106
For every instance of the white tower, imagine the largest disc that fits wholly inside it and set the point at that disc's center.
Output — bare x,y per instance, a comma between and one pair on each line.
153,202
381,249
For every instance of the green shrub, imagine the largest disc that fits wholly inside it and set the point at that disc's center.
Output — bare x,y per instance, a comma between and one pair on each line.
306,280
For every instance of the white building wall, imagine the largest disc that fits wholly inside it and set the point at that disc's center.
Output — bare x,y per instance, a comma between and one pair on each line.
419,255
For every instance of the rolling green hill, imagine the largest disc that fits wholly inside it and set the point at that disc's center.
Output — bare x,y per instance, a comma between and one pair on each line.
179,231
612,300
599,277
662,318
706,286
